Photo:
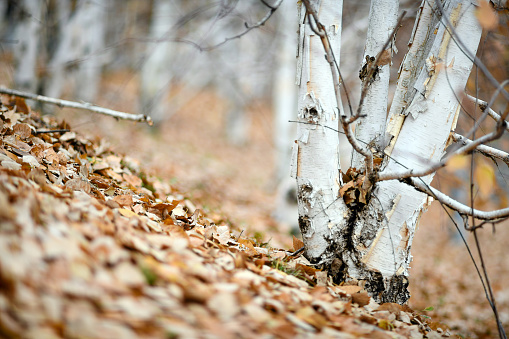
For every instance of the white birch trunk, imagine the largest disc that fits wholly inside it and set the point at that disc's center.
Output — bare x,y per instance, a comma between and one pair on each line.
88,76
285,91
27,33
78,51
284,105
316,165
383,16
156,71
371,244
426,111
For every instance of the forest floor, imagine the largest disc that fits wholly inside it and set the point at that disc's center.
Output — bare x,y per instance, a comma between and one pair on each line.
205,278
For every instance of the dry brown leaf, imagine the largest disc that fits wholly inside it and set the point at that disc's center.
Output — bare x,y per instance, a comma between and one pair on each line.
349,289
22,130
361,298
124,200
78,184
385,57
297,243
488,18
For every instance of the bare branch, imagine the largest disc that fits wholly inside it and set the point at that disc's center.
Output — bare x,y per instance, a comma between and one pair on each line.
454,204
483,105
85,105
486,109
260,23
486,150
467,148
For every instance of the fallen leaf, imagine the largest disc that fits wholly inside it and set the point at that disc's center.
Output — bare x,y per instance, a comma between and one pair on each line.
488,18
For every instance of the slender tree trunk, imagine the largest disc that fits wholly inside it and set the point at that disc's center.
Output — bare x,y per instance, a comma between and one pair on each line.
316,164
156,71
285,91
88,76
370,244
79,50
27,33
383,16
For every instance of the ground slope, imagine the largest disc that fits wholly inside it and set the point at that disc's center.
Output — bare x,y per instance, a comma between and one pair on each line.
91,247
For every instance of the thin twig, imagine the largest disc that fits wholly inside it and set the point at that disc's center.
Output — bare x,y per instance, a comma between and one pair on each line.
485,150
483,105
407,173
454,204
486,109
72,104
260,23
52,131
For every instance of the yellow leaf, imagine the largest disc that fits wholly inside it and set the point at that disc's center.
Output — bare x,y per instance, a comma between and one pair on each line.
127,213
458,162
485,178
488,18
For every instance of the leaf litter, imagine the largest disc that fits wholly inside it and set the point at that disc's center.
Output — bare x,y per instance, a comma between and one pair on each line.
92,247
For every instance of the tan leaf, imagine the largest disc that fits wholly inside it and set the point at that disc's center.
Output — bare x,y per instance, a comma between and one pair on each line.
484,175
124,200
250,248
127,213
349,289
488,18
458,162
23,130
132,180
297,243
384,58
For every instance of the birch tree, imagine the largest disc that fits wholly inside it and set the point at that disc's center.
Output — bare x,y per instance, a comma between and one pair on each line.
155,73
359,223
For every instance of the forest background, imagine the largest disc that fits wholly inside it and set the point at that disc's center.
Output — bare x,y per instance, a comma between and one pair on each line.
221,134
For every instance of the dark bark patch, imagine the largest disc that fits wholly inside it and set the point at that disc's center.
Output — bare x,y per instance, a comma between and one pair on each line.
369,71
311,115
304,224
389,290
304,192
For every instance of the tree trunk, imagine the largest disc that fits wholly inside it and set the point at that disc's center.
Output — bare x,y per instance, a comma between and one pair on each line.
78,55
285,91
316,165
383,16
370,243
27,32
156,71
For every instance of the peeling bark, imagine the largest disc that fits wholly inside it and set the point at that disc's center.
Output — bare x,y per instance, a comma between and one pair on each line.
316,156
420,128
383,17
370,243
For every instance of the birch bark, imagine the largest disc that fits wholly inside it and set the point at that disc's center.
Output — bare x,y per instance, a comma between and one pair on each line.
316,158
79,50
371,244
27,32
383,16
285,91
425,111
155,73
